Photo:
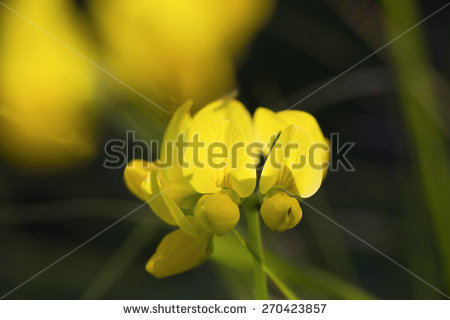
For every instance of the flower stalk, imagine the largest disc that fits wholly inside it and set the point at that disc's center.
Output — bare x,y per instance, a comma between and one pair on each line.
270,274
256,246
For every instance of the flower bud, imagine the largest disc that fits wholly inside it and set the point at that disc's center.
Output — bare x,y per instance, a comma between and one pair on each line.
216,213
280,212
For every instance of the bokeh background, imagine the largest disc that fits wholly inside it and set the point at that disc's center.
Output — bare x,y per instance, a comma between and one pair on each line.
74,74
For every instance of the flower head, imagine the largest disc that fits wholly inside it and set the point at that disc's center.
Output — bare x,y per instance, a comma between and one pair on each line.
206,171
201,199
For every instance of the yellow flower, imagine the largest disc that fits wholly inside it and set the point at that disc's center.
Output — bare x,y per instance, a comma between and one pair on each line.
222,167
143,179
223,128
206,169
179,252
165,185
173,50
291,164
46,91
175,192
166,192
296,163
268,124
225,109
182,249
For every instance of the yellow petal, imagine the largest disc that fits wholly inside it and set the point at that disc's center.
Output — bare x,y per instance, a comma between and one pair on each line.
179,252
169,151
135,173
164,207
221,161
137,179
170,159
267,126
280,212
226,109
308,123
291,166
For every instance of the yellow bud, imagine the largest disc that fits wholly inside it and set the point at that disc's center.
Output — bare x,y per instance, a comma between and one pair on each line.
280,212
178,252
216,213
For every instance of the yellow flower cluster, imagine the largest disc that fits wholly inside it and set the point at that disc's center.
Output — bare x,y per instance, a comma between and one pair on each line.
202,191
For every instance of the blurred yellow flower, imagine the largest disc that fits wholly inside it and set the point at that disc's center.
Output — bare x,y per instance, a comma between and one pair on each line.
169,50
174,50
46,90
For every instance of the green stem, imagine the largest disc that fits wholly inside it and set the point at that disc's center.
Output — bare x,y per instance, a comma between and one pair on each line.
255,243
272,276
280,284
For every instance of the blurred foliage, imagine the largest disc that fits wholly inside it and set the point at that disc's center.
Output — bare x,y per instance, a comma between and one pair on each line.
394,106
421,107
